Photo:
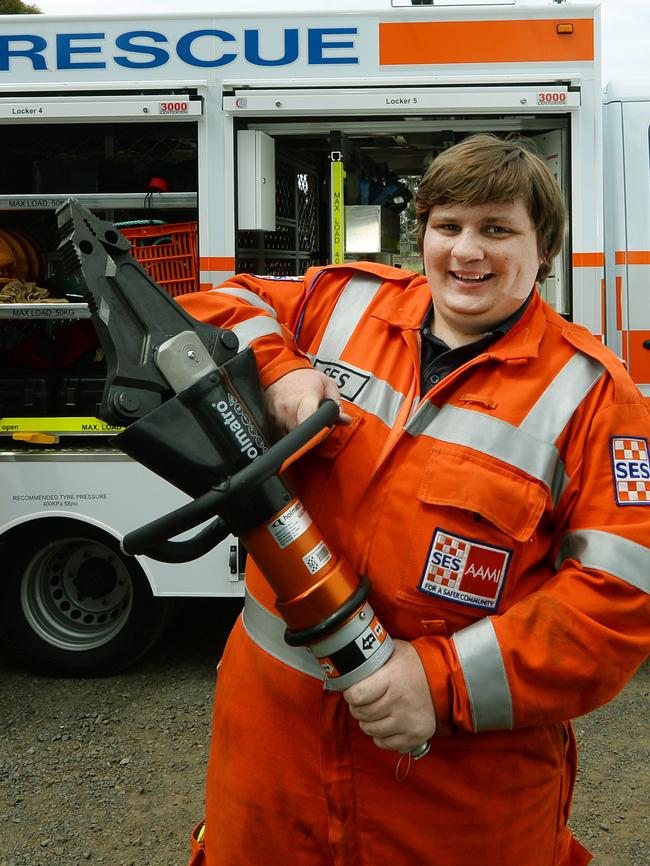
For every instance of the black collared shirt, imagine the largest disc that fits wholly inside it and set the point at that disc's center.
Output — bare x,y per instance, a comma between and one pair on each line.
437,360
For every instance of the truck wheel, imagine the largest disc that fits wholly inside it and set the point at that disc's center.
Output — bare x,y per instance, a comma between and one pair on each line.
72,604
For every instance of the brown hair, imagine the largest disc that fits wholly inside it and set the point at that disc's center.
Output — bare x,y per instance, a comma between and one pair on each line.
484,168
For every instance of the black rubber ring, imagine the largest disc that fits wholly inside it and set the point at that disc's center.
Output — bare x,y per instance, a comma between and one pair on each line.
307,636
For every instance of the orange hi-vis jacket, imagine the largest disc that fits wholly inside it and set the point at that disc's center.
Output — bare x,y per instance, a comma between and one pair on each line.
504,523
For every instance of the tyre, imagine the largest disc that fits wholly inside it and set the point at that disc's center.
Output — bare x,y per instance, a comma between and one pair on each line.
72,604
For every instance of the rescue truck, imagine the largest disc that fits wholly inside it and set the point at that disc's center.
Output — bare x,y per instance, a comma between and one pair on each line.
266,143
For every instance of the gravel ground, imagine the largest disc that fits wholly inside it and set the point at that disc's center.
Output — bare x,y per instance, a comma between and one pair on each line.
111,771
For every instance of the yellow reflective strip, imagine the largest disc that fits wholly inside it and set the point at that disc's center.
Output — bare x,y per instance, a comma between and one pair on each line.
337,179
56,425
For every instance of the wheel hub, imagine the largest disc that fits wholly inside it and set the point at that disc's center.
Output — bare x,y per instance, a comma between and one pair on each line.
77,593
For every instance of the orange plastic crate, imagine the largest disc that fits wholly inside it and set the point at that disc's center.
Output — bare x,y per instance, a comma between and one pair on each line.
169,253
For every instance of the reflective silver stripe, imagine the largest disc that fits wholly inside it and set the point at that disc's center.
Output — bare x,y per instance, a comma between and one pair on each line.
529,447
376,397
380,399
251,329
554,409
246,295
605,551
267,631
348,312
485,676
488,435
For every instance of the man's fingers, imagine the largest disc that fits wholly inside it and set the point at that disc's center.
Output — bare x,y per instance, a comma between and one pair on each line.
307,406
370,712
381,728
366,692
331,392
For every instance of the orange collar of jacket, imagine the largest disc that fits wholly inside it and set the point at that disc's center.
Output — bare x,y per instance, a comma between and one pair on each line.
406,309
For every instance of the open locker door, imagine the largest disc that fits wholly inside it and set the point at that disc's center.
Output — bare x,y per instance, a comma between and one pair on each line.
555,288
636,259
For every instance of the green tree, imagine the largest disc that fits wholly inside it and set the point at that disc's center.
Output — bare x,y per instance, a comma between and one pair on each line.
17,7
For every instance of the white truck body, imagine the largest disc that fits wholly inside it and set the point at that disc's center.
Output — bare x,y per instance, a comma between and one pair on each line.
385,86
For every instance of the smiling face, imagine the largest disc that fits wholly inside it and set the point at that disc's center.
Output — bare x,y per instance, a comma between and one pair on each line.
481,262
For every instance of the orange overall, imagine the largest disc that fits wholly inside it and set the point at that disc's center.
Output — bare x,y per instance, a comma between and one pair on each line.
504,523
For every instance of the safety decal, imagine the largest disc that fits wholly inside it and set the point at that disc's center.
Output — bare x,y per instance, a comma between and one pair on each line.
328,668
631,467
465,571
317,557
290,524
354,654
372,638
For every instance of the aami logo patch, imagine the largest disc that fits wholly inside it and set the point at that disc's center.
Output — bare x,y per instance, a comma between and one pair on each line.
466,571
350,381
631,470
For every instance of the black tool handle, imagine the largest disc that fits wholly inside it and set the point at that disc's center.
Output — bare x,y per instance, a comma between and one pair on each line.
244,482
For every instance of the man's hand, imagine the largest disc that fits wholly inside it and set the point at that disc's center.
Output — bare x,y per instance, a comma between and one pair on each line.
297,395
393,705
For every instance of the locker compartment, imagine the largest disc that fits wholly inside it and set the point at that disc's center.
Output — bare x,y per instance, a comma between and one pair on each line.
22,395
79,395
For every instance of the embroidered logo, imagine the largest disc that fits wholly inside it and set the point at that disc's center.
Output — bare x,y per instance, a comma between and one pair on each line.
466,571
631,470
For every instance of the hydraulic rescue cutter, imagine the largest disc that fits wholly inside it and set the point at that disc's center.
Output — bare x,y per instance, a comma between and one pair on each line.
193,412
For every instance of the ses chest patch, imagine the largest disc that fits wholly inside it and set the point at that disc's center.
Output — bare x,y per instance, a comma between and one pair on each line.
465,571
631,466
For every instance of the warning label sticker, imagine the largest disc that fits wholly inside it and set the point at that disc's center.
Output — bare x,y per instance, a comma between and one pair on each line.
372,638
317,557
290,525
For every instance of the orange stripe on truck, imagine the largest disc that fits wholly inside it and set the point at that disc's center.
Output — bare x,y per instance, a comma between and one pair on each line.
639,360
588,260
484,41
632,257
217,263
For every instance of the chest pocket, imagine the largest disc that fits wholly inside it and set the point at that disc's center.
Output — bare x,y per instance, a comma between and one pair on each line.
469,539
509,501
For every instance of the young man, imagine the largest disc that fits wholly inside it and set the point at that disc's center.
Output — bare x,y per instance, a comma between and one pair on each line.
477,482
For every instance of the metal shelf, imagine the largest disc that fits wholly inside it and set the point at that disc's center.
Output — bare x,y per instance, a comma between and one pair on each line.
101,201
47,312
57,426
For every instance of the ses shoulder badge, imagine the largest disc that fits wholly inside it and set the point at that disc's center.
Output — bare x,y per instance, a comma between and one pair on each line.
631,470
465,571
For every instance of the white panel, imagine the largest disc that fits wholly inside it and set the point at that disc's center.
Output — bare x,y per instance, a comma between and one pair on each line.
48,109
115,494
553,289
542,100
255,180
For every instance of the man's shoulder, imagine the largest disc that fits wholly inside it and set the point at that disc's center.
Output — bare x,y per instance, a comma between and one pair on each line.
388,273
581,339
